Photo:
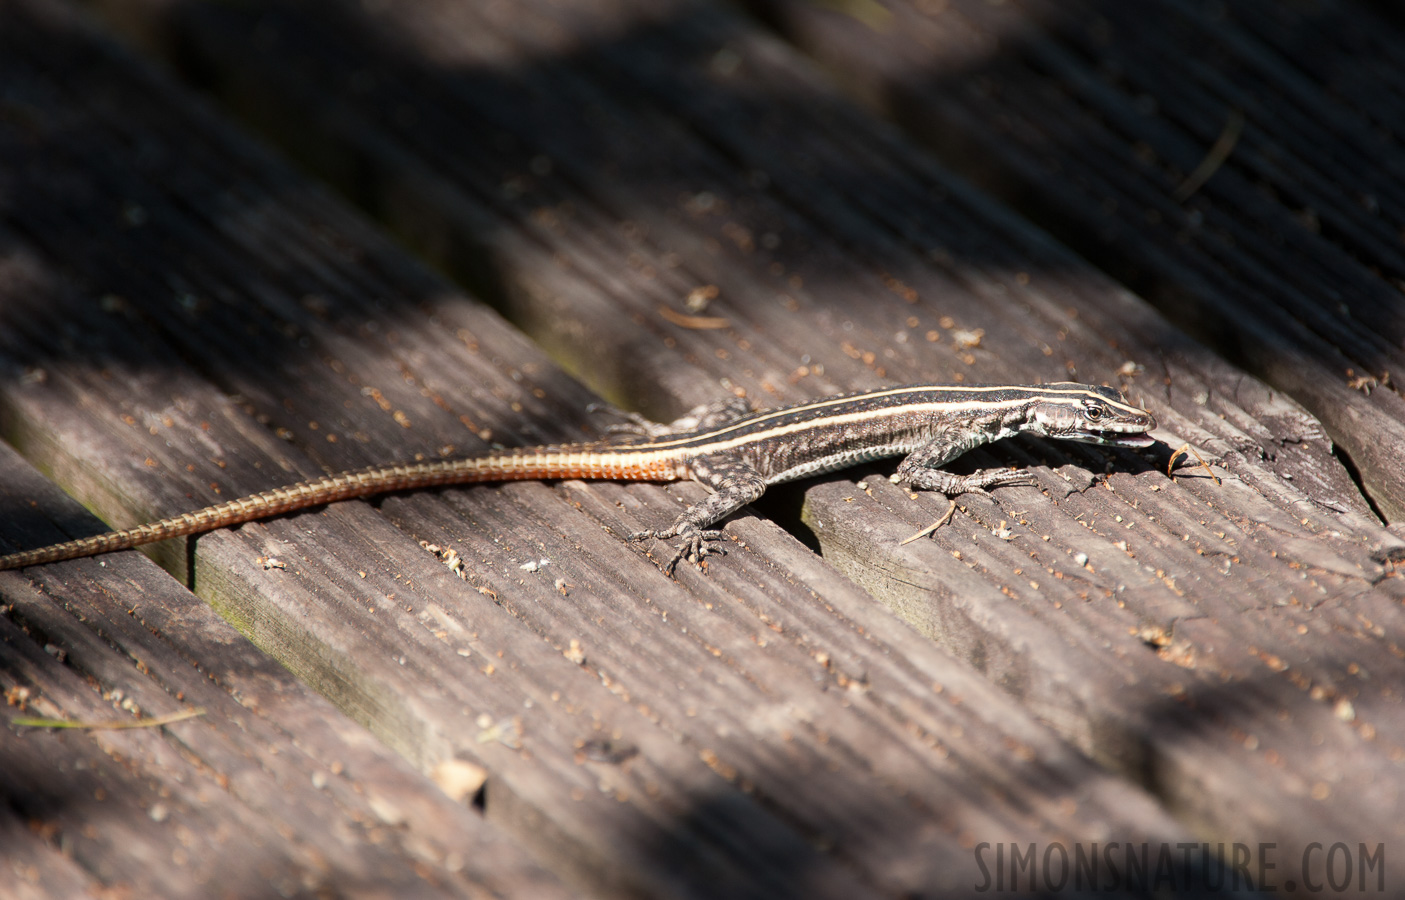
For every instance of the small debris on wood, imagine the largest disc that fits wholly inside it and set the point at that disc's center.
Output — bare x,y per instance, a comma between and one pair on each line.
507,732
459,779
606,750
1366,383
450,558
968,339
700,297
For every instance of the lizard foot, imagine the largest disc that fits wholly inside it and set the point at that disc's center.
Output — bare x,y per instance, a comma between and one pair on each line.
694,544
981,481
952,485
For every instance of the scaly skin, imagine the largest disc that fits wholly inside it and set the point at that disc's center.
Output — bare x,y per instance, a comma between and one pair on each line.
736,453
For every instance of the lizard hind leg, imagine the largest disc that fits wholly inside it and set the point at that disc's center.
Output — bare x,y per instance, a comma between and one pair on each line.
699,418
711,415
734,483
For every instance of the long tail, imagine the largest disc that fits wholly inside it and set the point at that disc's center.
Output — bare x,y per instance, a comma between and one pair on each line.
541,462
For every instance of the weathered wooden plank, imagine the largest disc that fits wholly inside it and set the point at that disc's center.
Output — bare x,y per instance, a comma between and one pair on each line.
837,251
270,789
382,637
37,869
1091,117
645,736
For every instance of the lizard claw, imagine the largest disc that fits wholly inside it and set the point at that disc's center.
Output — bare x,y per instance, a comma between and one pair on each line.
695,545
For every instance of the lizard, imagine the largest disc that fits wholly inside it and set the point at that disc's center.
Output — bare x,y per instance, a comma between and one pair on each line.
734,451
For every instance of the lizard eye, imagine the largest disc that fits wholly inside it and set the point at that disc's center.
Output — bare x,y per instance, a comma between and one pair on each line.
1093,411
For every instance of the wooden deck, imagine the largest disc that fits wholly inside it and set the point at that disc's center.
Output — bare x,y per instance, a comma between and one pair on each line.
243,244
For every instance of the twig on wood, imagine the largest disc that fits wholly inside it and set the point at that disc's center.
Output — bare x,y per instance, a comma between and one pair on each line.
112,724
1182,451
695,322
1219,152
933,527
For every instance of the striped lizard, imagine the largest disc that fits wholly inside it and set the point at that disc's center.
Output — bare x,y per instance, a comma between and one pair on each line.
734,451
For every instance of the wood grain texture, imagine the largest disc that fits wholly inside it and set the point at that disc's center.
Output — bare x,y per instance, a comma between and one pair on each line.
185,320
607,159
269,790
1089,117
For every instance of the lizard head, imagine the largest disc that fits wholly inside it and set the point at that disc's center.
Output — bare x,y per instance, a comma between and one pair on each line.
1091,414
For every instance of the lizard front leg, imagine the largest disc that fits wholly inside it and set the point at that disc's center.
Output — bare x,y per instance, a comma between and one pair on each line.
734,483
920,468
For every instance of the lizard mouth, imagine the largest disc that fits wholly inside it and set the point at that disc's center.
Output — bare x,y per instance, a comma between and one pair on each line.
1113,438
1129,440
